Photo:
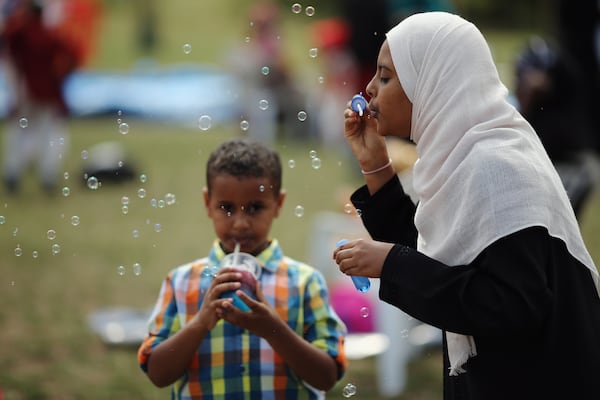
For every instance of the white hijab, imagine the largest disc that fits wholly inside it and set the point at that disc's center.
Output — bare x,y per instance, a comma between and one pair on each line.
482,172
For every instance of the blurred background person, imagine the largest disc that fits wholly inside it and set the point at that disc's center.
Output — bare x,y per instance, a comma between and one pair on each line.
269,98
38,59
549,92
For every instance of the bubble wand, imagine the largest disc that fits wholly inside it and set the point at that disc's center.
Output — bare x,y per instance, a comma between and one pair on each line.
358,104
361,283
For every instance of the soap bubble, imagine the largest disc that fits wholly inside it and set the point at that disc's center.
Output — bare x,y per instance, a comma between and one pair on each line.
125,200
187,48
263,104
170,199
135,233
312,153
75,220
296,8
313,53
205,122
244,125
124,128
137,269
349,390
121,270
51,234
125,209
299,211
302,115
18,251
23,123
143,178
310,11
364,312
316,163
66,191
35,254
157,228
348,208
2,219
84,154
141,193
93,183
55,249
265,70
291,163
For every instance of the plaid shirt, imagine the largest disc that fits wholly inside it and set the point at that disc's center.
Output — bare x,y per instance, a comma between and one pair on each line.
232,363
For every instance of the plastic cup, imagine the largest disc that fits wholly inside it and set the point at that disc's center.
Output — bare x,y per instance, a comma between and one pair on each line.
250,269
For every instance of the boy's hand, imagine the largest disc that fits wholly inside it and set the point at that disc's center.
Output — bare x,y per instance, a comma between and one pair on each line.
262,319
210,310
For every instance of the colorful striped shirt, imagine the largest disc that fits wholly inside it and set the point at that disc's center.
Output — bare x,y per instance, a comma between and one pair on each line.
231,362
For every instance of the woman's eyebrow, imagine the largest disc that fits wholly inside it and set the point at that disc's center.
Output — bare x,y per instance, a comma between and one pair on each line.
384,67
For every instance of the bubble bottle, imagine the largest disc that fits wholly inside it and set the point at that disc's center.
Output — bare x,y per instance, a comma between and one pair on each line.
361,283
358,104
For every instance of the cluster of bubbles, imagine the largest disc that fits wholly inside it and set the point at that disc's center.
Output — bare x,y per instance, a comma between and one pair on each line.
136,268
297,9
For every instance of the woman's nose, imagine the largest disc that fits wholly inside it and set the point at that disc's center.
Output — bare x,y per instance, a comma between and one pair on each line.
371,87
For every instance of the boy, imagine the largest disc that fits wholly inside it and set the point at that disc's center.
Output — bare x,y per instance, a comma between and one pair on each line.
289,345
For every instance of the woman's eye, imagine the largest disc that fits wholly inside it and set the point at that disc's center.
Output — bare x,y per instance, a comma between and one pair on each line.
384,80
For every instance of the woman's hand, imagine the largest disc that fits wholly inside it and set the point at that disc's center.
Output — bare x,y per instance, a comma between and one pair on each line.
362,257
361,134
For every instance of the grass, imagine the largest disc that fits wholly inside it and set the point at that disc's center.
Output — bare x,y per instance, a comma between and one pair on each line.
48,351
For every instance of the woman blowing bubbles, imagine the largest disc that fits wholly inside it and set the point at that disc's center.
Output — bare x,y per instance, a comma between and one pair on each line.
492,253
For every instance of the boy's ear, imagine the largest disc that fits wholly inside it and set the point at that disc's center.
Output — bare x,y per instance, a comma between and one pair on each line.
206,198
280,201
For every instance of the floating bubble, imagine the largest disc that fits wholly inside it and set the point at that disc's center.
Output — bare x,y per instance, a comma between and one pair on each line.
261,188
312,153
247,39
404,333
157,228
23,123
321,79
244,125
161,203
125,209
291,163
93,183
137,269
51,234
119,112
348,208
84,154
187,48
75,220
66,191
313,53
125,200
2,219
265,70
299,211
349,390
55,249
296,8
153,202
143,178
170,199
18,251
205,122
135,233
302,116
66,175
316,163
263,104
310,11
123,128
121,270
359,212
364,312
15,231
35,254
141,193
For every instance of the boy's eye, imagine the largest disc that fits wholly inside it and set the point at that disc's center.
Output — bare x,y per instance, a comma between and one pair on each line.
254,208
226,208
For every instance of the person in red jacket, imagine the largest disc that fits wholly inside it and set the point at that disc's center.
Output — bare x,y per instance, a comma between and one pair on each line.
38,60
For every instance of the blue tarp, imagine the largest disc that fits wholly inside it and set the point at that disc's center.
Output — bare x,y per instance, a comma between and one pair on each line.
179,94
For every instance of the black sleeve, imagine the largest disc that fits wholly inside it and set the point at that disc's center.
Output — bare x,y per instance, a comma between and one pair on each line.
388,215
502,292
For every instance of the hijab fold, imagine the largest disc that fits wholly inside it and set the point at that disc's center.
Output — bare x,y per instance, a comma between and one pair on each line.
482,172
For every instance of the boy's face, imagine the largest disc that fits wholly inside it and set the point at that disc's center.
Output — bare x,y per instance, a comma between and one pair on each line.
242,211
